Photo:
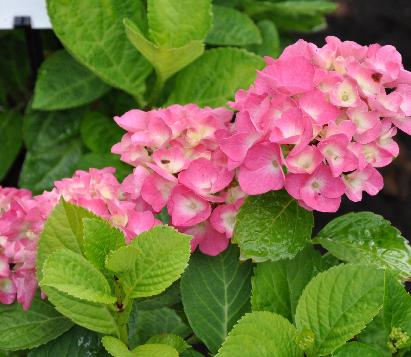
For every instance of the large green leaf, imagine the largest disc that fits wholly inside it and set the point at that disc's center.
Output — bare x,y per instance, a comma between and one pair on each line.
293,16
15,67
62,230
100,238
152,262
357,349
232,28
270,45
170,297
277,286
63,83
367,237
272,226
100,161
54,147
11,125
71,273
92,30
97,317
173,24
337,304
397,313
261,334
144,324
215,293
166,61
233,69
170,339
376,334
27,329
291,7
77,342
155,350
99,132
116,347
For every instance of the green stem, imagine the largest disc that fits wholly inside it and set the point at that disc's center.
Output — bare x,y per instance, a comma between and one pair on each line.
158,87
124,333
123,308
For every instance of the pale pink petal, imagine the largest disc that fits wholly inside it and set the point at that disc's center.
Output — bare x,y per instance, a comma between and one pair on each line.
290,75
338,156
368,180
186,208
156,191
345,94
305,161
205,178
316,105
7,291
26,286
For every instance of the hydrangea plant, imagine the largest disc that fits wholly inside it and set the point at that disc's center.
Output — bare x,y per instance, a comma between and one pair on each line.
205,245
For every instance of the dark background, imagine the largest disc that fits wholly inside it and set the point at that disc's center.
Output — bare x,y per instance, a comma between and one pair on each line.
383,22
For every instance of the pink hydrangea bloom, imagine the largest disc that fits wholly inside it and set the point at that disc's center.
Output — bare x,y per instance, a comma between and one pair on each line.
22,218
186,171
333,112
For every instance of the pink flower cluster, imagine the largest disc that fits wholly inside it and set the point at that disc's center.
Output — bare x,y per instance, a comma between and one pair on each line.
179,165
319,121
22,218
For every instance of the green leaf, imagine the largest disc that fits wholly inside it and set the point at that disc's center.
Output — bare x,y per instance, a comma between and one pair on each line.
272,226
155,350
270,45
292,8
230,3
100,43
116,348
173,24
99,132
170,297
62,230
27,329
299,23
338,303
169,339
15,67
293,16
397,311
100,161
191,353
215,293
97,317
367,237
166,61
152,262
144,324
277,286
77,342
63,83
261,334
72,274
11,125
54,147
356,349
100,238
232,28
376,334
233,69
